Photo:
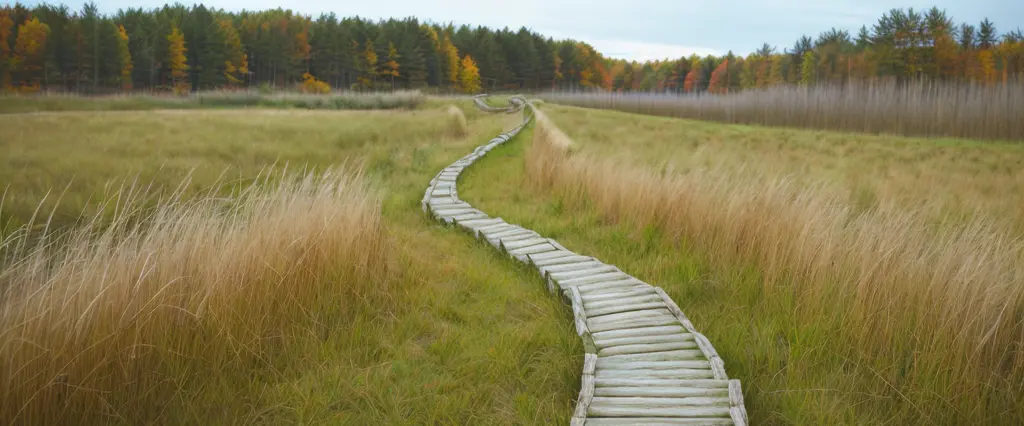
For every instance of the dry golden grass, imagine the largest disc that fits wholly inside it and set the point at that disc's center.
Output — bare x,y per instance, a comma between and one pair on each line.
128,314
457,125
932,309
919,108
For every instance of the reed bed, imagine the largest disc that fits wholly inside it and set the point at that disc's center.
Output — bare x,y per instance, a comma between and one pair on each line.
932,311
214,99
123,320
965,110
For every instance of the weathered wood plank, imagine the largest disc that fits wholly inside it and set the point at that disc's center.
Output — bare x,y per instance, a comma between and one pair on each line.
708,401
657,421
469,216
641,331
611,296
651,365
657,392
567,267
624,307
539,248
646,339
679,355
551,255
630,323
600,269
560,260
454,212
681,374
647,297
662,383
520,243
586,394
646,347
475,223
649,313
610,276
738,412
608,410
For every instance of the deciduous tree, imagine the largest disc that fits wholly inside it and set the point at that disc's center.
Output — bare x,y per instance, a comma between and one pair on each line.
469,75
177,61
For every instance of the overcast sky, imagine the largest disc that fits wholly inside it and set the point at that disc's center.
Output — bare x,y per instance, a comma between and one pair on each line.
643,29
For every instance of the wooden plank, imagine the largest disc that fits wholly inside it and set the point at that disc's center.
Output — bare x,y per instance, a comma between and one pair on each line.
738,412
600,269
682,374
468,216
589,364
586,394
625,308
649,313
520,237
525,242
656,421
664,338
639,348
606,410
593,278
601,297
508,233
638,401
679,355
539,248
630,323
572,258
661,383
637,332
454,212
473,224
651,365
567,267
630,284
550,255
646,297
657,392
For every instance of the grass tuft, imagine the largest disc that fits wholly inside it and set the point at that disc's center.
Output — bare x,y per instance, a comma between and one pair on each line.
122,319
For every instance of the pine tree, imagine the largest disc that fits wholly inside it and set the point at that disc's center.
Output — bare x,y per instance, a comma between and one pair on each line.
807,69
124,56
469,76
236,62
450,56
6,30
177,61
390,67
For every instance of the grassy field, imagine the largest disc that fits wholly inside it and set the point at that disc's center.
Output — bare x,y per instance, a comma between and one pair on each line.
832,307
312,299
940,109
215,99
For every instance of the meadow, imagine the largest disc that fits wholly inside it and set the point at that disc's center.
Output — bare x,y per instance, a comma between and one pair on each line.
261,266
914,108
840,280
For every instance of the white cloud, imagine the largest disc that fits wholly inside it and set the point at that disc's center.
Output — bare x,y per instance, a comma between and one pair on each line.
642,51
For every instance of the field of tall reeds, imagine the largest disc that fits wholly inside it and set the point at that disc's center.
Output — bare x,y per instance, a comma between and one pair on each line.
965,110
213,99
889,299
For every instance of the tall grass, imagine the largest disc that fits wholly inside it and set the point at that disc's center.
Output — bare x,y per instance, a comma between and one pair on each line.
921,108
933,311
163,306
214,99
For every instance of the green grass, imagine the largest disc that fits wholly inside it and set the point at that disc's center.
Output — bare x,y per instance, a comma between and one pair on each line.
461,335
797,364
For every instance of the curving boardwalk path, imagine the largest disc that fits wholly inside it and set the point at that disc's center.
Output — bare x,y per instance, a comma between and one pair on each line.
645,362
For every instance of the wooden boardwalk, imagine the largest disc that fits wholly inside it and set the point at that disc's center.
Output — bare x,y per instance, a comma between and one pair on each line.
645,362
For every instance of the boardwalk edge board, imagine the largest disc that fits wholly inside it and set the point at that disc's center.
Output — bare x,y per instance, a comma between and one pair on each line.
644,360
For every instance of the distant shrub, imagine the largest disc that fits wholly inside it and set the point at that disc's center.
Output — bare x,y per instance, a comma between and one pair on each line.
457,125
311,85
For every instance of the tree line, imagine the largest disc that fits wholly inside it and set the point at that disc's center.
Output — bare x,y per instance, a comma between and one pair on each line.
179,48
903,45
